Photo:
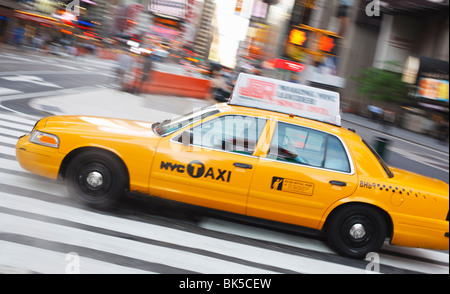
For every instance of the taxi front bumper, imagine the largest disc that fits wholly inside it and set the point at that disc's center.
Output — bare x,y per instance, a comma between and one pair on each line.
38,159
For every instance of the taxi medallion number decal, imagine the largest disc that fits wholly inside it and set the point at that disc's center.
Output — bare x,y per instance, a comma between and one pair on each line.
292,186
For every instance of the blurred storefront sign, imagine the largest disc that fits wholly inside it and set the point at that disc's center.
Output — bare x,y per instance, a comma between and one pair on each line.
238,7
429,75
174,8
433,89
417,67
288,65
168,18
257,38
166,22
433,106
34,17
45,6
259,9
164,32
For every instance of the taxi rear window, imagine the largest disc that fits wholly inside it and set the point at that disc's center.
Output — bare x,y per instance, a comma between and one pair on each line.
383,164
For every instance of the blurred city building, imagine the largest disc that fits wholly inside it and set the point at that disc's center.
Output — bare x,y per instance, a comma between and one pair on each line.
411,34
328,43
203,33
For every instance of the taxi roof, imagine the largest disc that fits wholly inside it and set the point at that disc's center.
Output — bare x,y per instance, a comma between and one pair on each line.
289,98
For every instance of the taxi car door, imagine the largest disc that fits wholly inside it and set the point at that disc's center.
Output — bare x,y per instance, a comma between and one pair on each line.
304,172
210,164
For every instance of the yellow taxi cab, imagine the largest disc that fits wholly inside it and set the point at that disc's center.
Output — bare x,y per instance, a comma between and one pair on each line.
276,151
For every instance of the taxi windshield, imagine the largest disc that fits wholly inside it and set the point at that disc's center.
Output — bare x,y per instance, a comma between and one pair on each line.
168,126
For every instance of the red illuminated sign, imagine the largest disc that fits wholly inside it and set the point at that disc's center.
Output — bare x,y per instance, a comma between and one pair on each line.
289,65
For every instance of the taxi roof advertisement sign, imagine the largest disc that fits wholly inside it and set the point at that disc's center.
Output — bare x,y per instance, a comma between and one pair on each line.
276,95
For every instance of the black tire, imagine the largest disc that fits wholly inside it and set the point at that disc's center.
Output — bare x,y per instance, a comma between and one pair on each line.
355,230
97,178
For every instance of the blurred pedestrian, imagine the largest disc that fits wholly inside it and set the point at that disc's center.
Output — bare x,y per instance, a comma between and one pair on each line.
388,120
73,51
37,42
376,113
146,68
123,69
220,89
442,130
18,34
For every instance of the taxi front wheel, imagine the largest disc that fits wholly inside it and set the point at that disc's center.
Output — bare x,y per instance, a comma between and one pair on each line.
97,178
356,230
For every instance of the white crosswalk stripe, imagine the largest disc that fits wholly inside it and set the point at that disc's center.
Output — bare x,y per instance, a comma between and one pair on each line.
64,62
42,228
52,262
7,91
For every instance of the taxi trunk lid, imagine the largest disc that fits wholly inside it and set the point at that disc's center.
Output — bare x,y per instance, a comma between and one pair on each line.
420,182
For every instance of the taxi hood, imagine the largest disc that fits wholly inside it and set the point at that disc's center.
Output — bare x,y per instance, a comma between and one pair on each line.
101,125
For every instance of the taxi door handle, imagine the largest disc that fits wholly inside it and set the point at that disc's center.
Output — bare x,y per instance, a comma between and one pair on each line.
242,165
338,183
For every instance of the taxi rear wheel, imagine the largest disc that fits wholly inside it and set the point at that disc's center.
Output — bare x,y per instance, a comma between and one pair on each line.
96,178
356,230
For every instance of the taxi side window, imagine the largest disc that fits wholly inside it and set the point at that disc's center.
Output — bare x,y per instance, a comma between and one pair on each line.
233,133
336,157
306,146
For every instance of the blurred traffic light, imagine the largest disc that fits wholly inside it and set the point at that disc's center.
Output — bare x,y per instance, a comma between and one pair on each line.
328,43
298,37
314,41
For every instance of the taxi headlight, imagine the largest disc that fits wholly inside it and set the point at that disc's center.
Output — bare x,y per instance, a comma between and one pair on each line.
44,139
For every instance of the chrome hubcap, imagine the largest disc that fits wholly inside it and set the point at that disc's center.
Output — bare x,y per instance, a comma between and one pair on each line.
94,179
357,231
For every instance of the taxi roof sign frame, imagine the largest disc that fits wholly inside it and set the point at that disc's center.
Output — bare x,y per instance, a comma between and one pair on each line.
288,98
